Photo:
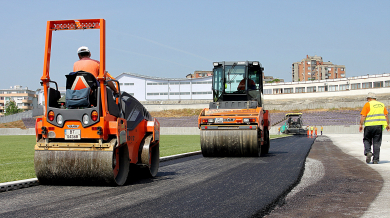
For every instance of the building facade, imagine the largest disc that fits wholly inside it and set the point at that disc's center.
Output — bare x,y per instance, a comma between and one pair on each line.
359,85
147,88
314,68
24,98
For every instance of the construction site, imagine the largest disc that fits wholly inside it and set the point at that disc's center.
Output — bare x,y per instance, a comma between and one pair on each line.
99,151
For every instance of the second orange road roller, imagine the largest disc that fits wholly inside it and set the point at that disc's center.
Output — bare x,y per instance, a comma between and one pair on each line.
236,123
95,136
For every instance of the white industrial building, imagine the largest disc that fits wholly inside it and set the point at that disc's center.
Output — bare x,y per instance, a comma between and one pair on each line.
147,88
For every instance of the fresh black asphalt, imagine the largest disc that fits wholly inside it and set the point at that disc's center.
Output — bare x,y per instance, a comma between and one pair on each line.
187,187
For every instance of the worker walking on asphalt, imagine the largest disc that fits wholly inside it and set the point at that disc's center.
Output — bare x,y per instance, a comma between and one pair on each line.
322,128
375,119
308,130
311,130
315,129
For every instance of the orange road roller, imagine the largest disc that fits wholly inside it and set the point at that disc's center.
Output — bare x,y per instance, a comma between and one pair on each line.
93,136
236,123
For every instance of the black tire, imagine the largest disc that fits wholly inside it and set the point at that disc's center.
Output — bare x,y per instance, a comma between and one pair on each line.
266,144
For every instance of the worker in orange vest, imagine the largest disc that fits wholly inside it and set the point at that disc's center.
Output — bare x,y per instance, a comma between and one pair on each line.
279,131
322,128
308,130
315,129
311,130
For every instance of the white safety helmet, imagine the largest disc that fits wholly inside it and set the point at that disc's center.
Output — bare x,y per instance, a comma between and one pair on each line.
83,49
371,95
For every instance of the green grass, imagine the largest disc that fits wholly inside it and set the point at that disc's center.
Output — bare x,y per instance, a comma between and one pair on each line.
178,144
17,153
16,157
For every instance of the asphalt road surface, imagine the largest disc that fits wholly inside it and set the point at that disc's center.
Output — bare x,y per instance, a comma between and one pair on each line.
186,187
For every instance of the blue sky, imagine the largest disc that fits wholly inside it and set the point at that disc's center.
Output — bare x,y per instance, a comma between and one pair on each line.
175,38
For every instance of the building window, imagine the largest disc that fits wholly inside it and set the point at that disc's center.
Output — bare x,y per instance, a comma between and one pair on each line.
129,84
206,82
343,87
202,93
311,89
288,90
355,86
333,88
152,93
277,91
387,83
179,93
300,90
321,88
149,84
267,91
367,85
378,84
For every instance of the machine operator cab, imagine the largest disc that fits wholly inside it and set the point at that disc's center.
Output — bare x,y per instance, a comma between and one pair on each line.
238,81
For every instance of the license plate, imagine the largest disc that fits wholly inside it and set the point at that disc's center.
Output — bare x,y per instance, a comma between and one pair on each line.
219,120
71,134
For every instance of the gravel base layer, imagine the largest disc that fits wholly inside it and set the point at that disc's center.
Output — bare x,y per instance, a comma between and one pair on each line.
191,121
346,189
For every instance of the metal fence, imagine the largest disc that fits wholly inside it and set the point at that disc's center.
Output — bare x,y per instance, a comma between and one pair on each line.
27,114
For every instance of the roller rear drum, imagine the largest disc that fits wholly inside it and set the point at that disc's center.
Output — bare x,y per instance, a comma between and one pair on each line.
229,143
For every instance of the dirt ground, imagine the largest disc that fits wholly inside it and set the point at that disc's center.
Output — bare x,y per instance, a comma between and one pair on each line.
346,190
16,124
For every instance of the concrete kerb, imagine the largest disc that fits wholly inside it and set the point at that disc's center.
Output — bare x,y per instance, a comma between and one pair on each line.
9,186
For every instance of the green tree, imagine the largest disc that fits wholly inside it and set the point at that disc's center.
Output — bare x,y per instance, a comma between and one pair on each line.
11,108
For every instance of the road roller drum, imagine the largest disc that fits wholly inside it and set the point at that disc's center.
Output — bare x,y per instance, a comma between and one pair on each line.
229,143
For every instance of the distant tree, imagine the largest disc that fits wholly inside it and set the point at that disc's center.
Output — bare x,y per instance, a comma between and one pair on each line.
11,108
274,81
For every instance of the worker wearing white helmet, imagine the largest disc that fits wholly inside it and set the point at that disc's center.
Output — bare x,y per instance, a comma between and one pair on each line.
89,65
86,63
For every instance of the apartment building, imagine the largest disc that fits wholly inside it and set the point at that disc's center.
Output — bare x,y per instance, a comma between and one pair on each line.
24,98
314,68
199,74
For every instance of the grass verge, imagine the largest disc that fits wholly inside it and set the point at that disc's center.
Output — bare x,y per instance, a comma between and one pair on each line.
16,157
17,153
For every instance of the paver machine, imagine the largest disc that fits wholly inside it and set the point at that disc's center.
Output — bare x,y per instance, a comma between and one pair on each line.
95,136
235,124
293,124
